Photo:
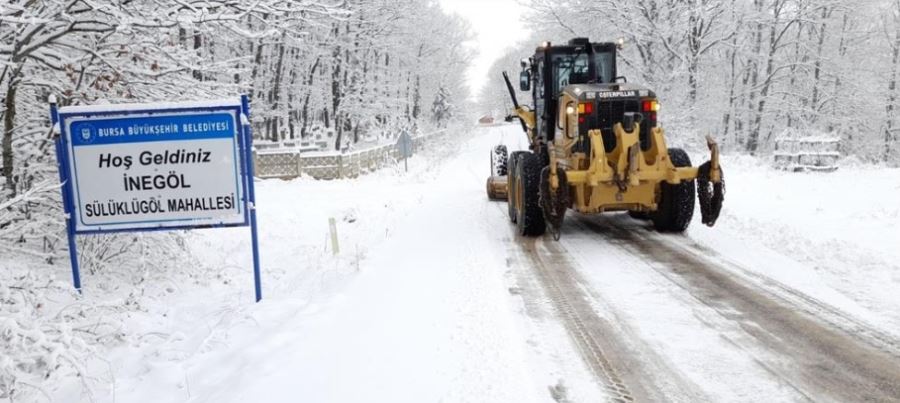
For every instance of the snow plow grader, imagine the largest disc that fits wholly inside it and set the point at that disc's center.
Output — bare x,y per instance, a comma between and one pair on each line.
594,147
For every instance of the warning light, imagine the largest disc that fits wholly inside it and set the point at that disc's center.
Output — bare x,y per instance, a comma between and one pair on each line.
586,108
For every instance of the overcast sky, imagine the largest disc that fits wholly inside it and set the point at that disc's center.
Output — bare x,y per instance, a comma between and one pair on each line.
496,24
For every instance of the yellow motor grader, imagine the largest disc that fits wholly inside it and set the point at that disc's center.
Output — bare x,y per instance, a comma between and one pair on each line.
595,146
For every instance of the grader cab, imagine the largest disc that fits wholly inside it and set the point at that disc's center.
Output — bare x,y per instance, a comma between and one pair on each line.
595,146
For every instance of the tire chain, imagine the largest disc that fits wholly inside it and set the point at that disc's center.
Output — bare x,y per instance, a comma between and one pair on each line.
709,194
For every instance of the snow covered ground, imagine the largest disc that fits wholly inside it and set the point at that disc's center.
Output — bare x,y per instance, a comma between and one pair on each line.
415,306
431,299
833,236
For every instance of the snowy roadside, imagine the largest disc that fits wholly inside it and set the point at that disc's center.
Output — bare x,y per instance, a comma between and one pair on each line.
418,306
831,236
180,300
414,308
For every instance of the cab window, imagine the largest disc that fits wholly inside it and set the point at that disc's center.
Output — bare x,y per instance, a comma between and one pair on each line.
569,69
574,69
540,79
604,62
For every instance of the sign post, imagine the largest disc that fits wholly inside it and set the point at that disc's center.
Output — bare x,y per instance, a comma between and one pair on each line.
151,167
66,192
405,148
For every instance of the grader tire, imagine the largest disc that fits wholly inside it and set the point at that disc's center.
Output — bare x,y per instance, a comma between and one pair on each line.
499,160
530,217
511,184
676,204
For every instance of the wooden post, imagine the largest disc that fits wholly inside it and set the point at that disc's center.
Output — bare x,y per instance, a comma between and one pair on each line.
332,228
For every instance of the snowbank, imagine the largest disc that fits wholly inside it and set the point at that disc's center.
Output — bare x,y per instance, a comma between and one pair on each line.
836,233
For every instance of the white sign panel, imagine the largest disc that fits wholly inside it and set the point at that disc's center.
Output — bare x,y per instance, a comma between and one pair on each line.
169,166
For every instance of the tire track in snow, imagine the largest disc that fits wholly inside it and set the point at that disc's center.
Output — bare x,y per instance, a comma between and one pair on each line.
622,376
587,330
607,349
825,361
852,326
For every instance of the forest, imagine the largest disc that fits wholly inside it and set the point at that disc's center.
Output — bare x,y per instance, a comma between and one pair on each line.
746,71
338,71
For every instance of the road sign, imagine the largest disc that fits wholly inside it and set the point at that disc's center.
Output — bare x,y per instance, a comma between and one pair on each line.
142,167
154,168
405,145
405,148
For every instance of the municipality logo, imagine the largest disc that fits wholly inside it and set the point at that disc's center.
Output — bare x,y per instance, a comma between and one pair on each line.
86,133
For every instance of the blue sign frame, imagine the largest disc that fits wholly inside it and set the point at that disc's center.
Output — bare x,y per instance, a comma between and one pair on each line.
243,150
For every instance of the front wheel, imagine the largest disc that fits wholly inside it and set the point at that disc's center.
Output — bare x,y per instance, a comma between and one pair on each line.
499,161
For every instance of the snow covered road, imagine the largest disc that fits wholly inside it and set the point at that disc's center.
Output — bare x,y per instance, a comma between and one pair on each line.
684,328
435,299
667,317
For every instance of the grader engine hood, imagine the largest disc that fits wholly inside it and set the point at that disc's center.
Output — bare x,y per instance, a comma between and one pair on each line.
609,91
601,106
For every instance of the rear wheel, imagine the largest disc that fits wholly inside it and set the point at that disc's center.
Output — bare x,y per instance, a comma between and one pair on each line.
676,202
530,215
511,184
554,203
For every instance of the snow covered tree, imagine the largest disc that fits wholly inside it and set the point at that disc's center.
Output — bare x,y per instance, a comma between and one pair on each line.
750,70
442,108
891,21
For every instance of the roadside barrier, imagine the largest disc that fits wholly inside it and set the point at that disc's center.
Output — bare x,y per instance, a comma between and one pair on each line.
287,163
